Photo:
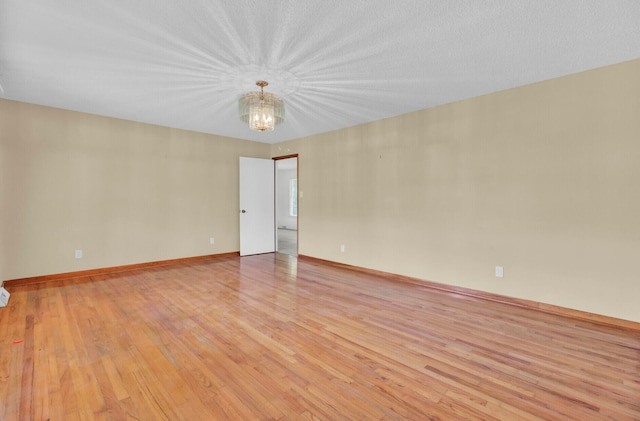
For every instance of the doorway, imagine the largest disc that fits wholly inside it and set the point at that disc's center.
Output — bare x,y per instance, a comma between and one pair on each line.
287,205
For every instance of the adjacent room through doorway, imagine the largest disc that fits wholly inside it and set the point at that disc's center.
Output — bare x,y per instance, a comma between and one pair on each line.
287,205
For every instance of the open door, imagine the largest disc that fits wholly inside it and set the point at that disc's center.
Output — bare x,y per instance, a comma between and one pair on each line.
257,213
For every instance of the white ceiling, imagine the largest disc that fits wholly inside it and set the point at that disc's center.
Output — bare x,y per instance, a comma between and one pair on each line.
336,63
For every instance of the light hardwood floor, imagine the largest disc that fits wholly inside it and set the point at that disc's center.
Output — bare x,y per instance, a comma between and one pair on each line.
273,338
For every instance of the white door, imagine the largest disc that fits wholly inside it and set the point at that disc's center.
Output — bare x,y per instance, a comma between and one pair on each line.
257,214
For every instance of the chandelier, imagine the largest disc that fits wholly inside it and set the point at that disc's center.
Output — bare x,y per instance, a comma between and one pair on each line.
261,111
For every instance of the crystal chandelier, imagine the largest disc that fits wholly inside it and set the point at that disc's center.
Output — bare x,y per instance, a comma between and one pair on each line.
261,111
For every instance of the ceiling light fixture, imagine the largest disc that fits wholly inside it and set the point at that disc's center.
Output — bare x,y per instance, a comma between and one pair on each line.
261,111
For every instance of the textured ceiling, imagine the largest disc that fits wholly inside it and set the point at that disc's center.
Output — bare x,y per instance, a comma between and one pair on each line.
336,63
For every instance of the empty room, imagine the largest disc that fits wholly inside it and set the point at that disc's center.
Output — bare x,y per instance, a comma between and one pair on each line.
319,210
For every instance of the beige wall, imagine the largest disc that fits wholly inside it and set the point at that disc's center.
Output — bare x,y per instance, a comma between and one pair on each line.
543,180
121,191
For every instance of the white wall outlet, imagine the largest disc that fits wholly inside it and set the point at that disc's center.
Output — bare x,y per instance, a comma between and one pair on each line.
78,254
499,272
4,297
341,248
212,240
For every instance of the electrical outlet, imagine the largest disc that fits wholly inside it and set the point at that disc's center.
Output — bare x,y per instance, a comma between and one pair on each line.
4,297
212,240
78,254
341,248
499,272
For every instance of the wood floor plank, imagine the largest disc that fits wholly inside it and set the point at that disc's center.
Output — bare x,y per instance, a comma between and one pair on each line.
271,337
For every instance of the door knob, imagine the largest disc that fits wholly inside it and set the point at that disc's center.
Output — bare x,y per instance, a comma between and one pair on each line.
243,211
